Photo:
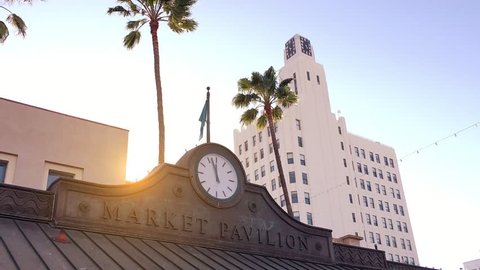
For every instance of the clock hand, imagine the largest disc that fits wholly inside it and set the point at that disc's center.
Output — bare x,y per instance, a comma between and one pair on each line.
215,171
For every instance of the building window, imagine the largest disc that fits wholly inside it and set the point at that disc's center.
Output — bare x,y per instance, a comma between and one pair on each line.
294,197
305,178
296,215
365,169
377,158
307,197
387,240
384,190
279,183
390,224
405,228
291,176
340,130
359,167
246,146
384,222
274,184
3,170
298,123
272,166
270,148
369,186
372,239
356,151
247,162
371,156
377,187
380,174
402,242
385,160
295,82
318,79
256,175
394,177
387,207
239,149
254,140
353,218
362,184
392,192
350,198
365,201
261,154
372,203
409,245
341,146
302,159
345,163
374,219
308,75
391,163
300,141
348,180
290,158
374,172
380,205
260,136
309,218
400,208
362,152
282,200
262,171
398,194
255,157
54,175
399,226
389,177
379,240
394,241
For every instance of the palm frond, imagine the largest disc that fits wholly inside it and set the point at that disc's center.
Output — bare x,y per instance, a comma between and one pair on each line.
277,113
244,100
262,121
119,10
289,99
18,24
135,25
132,39
285,82
178,13
248,116
244,85
3,32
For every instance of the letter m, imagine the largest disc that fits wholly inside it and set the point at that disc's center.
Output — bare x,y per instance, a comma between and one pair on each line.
109,213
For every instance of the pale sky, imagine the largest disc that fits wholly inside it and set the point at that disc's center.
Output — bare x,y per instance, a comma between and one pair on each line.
404,73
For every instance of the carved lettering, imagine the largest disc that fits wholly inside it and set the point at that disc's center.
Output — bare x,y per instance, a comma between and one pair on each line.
280,244
133,216
202,222
303,245
235,233
223,229
248,234
259,235
168,220
270,242
291,243
187,223
151,217
109,214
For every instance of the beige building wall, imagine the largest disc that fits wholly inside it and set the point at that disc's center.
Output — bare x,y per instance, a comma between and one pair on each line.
35,141
327,181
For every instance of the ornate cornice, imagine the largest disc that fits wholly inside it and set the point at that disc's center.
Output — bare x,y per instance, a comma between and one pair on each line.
25,203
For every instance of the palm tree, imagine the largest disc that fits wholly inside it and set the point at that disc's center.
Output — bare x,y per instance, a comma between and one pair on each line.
264,97
17,23
177,15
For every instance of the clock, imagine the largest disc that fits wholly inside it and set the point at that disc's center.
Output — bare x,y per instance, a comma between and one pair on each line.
290,48
216,174
306,46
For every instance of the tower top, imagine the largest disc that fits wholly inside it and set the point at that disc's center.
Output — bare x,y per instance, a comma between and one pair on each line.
298,45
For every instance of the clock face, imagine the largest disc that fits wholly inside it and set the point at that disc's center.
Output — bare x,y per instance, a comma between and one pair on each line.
306,46
217,176
290,48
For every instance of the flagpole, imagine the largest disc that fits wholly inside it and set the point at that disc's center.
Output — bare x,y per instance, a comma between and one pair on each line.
208,114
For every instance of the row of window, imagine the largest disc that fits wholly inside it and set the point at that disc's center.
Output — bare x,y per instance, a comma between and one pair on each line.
366,185
296,215
390,241
405,259
295,87
290,159
294,198
374,157
386,223
382,205
363,168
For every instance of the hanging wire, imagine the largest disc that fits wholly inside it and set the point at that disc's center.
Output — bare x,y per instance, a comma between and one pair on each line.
477,124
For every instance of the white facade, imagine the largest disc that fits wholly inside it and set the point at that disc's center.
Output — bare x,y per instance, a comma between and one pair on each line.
472,265
336,179
37,146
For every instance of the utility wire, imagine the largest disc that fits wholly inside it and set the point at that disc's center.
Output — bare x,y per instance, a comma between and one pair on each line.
436,142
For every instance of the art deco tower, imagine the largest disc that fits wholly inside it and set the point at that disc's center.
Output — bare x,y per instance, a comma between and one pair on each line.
336,179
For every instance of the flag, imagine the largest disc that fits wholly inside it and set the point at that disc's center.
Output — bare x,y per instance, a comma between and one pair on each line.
203,118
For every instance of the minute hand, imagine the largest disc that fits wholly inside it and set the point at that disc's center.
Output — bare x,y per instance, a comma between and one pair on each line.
216,172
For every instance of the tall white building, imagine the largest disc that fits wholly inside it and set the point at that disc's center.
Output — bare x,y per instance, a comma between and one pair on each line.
336,179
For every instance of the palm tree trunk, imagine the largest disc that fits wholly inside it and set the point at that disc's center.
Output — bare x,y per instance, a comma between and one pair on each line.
158,85
271,127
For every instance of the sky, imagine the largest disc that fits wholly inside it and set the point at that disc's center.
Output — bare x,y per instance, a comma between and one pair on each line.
404,73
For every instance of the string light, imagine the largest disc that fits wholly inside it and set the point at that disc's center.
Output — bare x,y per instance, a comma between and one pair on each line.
455,134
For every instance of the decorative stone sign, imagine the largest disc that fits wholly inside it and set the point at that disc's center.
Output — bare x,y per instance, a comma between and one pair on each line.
203,200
